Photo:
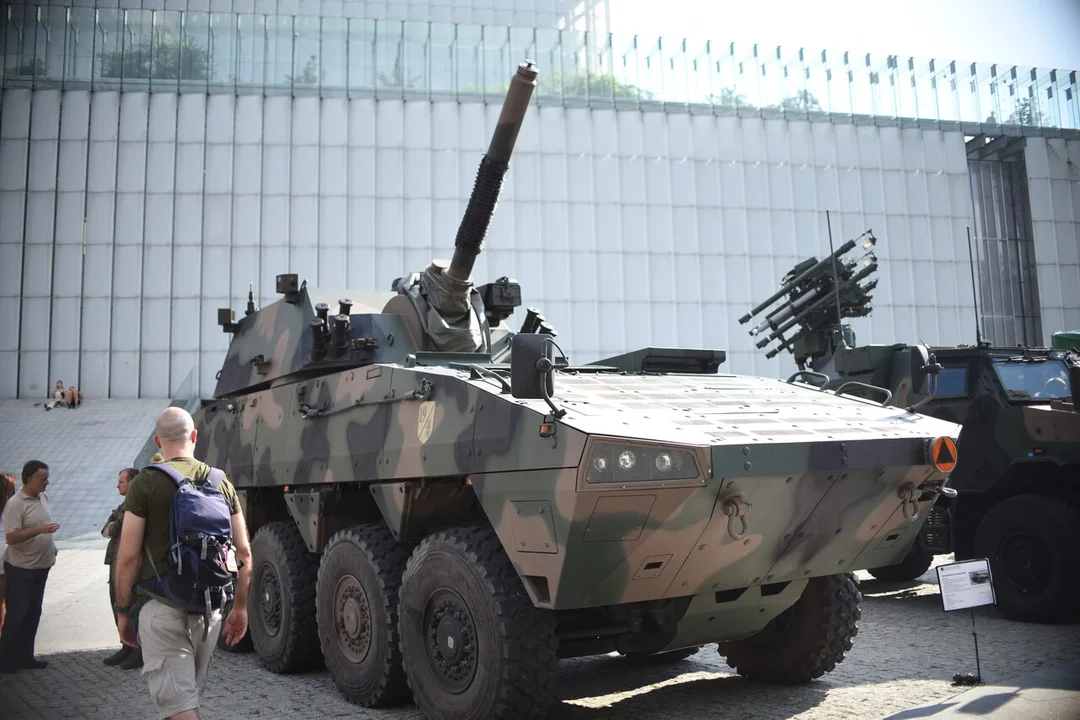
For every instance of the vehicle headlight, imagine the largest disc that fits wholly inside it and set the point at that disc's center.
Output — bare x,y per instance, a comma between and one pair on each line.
619,463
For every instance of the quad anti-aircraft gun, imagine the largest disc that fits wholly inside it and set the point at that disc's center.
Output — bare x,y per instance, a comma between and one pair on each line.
1013,495
443,508
817,295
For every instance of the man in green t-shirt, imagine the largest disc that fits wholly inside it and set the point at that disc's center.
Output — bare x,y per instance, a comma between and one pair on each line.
128,658
175,654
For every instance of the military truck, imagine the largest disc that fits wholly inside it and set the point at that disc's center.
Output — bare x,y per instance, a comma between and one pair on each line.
1017,499
443,508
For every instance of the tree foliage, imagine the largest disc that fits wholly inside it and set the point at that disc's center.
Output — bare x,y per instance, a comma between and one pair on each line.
311,74
1027,113
160,57
35,67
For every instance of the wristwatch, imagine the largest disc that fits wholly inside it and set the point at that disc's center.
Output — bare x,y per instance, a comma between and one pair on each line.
122,610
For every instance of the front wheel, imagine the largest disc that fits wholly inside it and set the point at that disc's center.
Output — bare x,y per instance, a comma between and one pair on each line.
1033,544
474,646
805,641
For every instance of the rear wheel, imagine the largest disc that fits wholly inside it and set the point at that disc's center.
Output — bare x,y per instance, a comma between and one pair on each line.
911,567
474,645
805,641
281,601
358,614
1033,544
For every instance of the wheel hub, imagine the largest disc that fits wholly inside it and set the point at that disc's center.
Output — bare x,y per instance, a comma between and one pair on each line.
451,636
1026,563
270,599
352,618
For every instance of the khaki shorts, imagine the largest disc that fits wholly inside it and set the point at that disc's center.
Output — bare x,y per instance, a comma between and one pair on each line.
175,657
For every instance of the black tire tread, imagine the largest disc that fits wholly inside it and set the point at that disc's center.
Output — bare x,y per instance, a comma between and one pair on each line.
302,651
911,567
833,616
388,557
1060,606
531,666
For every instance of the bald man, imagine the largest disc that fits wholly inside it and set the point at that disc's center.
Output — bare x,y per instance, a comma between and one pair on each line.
174,652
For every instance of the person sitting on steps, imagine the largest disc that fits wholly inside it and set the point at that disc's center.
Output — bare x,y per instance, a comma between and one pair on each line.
67,397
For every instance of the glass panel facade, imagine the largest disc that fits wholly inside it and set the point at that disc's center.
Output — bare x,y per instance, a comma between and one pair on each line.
272,54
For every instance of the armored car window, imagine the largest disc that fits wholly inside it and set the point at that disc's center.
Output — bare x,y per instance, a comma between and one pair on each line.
1033,379
952,382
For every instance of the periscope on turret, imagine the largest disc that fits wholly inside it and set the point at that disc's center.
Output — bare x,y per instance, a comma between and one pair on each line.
470,506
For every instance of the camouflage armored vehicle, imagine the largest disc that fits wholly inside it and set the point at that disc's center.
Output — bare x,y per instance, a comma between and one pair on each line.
1017,498
443,508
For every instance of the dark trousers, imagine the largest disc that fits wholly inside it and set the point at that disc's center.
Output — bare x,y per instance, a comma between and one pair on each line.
24,595
112,597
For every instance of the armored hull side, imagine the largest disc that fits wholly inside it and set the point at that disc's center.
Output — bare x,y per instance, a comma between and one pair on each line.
819,476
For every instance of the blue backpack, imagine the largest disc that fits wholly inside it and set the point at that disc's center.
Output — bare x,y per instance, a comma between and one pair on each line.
201,561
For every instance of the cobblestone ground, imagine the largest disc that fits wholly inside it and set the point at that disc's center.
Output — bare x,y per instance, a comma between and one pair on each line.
85,448
905,655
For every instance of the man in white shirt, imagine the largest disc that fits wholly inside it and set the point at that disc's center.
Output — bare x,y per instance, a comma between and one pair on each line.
30,554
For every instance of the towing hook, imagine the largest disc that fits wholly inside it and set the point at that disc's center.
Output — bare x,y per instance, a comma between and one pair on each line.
909,499
737,507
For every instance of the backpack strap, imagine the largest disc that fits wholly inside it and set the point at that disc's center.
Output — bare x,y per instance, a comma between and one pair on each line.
172,472
213,479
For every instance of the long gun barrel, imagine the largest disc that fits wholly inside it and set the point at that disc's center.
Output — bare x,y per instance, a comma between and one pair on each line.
489,178
785,288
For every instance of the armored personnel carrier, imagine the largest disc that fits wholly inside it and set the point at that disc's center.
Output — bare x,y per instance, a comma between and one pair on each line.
1016,500
443,508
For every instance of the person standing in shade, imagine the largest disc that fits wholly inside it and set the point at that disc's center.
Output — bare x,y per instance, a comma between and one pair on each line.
128,658
7,491
30,554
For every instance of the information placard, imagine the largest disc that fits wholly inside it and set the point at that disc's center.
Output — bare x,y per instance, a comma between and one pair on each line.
966,584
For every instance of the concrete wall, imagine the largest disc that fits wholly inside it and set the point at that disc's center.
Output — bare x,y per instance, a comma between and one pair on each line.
1053,169
626,228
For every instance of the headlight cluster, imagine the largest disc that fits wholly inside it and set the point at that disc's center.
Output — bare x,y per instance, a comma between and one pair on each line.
616,463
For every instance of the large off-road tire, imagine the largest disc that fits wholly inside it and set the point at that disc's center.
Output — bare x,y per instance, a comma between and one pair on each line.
911,567
474,645
281,601
663,658
357,600
242,645
1033,544
805,641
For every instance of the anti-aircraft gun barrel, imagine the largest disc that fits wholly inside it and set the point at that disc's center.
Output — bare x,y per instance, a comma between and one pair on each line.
819,303
489,177
786,287
785,311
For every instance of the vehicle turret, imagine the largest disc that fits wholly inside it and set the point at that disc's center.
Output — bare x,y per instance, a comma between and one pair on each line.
309,332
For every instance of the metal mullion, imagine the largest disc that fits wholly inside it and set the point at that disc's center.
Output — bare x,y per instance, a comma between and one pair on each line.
22,258
56,204
202,224
116,195
86,195
146,175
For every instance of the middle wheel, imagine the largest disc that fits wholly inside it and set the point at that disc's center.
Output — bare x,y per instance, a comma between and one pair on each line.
475,647
357,608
